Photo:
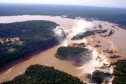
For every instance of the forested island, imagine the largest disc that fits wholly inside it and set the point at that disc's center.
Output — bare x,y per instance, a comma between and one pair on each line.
100,76
21,38
82,35
93,32
77,54
37,74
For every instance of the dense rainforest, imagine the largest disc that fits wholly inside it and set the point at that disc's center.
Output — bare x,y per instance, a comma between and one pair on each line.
21,38
37,74
116,15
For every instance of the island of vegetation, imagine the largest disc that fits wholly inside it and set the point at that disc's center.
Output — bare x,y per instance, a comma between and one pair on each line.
78,55
19,39
37,74
88,33
100,76
81,36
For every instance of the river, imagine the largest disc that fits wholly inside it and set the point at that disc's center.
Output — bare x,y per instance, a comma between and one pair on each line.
47,57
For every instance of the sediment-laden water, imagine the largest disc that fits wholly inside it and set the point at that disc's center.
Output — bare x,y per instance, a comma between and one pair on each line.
48,58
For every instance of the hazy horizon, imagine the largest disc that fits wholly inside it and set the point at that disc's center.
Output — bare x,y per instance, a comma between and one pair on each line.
96,3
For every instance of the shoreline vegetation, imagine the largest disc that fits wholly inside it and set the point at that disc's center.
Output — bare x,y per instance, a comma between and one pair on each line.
32,38
38,74
119,72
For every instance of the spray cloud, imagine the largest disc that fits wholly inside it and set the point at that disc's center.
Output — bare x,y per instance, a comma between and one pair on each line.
81,26
58,31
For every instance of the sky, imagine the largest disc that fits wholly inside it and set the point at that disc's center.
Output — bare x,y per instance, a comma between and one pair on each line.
102,3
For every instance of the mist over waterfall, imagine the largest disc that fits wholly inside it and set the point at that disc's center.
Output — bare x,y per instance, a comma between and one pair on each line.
58,31
81,26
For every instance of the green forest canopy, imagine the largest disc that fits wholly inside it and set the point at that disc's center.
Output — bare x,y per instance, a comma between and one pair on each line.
33,35
120,72
70,51
117,15
37,74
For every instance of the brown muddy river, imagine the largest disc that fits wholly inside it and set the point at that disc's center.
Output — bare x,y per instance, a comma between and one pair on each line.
47,57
